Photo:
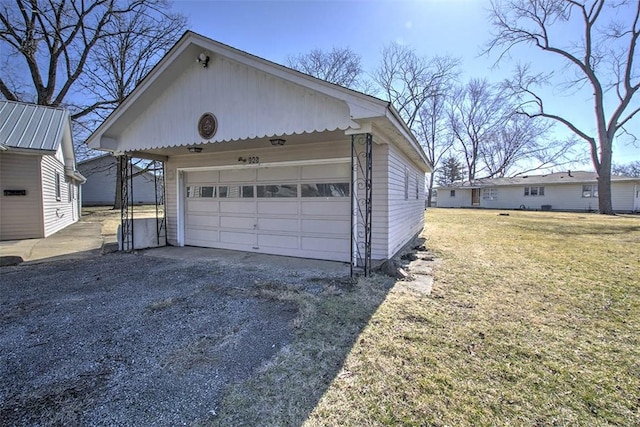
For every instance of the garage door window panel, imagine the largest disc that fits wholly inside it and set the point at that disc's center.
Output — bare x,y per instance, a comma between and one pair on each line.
235,191
277,190
335,189
198,191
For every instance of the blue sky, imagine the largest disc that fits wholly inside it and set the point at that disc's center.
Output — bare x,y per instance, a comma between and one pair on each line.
275,29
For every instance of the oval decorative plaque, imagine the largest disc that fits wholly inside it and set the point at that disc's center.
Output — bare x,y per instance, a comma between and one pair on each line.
207,125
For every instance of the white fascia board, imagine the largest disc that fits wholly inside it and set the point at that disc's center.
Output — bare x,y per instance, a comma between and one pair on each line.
404,130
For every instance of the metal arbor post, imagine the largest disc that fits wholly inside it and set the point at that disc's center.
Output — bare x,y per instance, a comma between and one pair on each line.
125,169
361,212
159,182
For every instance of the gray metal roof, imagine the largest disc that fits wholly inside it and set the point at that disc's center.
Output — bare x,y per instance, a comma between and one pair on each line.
30,126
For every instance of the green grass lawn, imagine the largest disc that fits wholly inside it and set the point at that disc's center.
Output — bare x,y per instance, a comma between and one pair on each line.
534,320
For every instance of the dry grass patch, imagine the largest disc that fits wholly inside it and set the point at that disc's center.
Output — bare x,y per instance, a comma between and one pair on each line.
534,320
287,388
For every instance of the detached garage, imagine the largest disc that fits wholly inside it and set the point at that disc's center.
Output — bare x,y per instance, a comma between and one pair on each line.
262,158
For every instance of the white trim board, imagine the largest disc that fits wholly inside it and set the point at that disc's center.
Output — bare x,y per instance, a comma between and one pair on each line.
268,165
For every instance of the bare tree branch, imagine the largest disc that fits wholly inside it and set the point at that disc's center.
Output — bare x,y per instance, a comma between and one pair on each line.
340,66
609,33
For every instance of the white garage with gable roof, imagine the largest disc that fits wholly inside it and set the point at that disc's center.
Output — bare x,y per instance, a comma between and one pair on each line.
262,158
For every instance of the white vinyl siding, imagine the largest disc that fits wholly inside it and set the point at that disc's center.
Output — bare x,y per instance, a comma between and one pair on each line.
100,188
380,202
406,216
622,196
561,197
218,88
20,216
57,213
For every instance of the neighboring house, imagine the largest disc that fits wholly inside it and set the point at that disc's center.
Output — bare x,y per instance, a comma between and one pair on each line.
100,188
258,156
38,178
561,191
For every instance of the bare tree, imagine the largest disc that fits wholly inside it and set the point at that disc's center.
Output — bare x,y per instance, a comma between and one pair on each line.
418,87
522,143
341,66
601,56
628,169
66,47
432,130
409,80
86,56
477,113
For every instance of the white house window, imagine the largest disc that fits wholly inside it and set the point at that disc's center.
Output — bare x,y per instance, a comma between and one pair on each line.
406,184
452,193
58,197
417,189
70,192
589,190
489,193
534,191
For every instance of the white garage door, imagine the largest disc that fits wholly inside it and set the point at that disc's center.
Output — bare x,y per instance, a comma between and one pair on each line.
300,211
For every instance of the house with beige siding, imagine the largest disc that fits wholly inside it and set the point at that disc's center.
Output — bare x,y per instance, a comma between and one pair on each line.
39,183
262,158
575,191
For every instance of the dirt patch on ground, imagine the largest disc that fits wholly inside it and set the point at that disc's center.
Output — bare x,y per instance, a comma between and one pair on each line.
136,340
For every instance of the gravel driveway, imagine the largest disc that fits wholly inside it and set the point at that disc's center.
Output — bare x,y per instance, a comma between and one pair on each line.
134,340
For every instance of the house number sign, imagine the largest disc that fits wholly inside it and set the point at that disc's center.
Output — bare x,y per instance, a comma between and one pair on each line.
207,125
252,160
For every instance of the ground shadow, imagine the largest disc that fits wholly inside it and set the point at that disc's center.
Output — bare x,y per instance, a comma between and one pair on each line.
133,339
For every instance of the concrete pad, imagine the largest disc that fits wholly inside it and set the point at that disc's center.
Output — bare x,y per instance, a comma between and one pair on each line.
20,248
234,258
79,240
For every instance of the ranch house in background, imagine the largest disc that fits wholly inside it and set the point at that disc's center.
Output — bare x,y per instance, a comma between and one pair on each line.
561,191
100,188
40,192
259,157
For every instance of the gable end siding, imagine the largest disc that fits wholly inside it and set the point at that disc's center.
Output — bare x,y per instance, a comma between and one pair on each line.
238,96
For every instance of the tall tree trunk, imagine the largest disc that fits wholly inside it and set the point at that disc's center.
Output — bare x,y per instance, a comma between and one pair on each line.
430,190
604,177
